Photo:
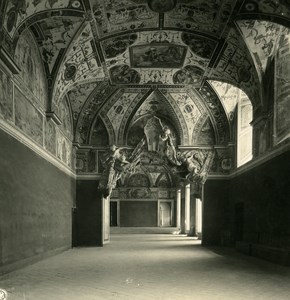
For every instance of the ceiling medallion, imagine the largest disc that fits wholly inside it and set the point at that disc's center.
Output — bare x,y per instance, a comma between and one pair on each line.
161,6
251,6
76,4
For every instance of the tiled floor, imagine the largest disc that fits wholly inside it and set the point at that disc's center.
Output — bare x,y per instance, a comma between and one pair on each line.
149,267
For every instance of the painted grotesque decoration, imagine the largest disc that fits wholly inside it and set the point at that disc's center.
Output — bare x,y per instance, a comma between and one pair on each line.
200,46
188,75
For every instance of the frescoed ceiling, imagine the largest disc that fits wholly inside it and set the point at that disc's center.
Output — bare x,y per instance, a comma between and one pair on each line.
122,60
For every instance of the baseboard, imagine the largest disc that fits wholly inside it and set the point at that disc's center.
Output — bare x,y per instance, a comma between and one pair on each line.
275,255
31,260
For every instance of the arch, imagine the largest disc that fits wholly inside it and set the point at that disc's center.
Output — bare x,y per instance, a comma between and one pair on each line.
28,59
217,113
99,134
17,29
178,121
163,183
206,136
91,109
138,180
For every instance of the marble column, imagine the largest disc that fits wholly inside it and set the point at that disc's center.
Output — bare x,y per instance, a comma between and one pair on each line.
178,208
198,217
187,208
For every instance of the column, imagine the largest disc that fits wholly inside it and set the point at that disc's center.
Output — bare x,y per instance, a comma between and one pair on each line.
198,218
187,208
178,208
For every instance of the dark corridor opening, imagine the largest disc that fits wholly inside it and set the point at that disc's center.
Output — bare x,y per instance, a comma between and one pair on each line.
113,213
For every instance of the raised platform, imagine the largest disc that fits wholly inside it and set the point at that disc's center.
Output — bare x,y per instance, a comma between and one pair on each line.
144,230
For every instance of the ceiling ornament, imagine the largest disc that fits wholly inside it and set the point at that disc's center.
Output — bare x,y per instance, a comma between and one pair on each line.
161,6
217,113
54,36
209,17
79,66
236,67
21,11
78,95
275,8
201,46
157,57
158,104
261,38
89,111
119,16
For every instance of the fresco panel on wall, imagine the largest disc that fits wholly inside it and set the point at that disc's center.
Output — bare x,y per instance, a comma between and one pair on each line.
28,59
282,89
28,118
6,100
50,137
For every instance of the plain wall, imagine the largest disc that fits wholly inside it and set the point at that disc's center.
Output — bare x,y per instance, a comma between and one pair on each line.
36,200
138,213
264,192
215,221
88,214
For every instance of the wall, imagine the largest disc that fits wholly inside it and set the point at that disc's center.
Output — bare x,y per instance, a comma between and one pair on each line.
88,214
138,214
251,211
264,193
215,223
36,200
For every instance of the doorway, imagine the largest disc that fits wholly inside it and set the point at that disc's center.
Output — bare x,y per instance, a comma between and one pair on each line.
165,213
114,222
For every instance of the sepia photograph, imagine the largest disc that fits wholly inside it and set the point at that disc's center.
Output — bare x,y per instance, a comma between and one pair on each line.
145,149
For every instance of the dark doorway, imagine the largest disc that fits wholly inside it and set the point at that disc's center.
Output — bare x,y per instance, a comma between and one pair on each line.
113,213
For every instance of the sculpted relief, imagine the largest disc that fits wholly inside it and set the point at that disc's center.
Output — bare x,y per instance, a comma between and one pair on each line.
157,147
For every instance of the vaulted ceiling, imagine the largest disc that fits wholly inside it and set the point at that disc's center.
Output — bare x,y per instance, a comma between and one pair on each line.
116,61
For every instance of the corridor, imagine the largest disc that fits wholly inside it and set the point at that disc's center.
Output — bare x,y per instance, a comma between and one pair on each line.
149,267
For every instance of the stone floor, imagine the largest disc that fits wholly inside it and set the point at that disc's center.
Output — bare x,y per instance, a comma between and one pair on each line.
149,267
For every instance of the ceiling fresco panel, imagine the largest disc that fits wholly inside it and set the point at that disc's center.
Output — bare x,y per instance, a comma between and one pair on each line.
279,8
17,11
80,65
216,112
228,94
56,34
208,17
189,109
206,135
118,45
236,67
154,105
157,55
89,110
78,95
261,38
117,111
118,16
201,46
